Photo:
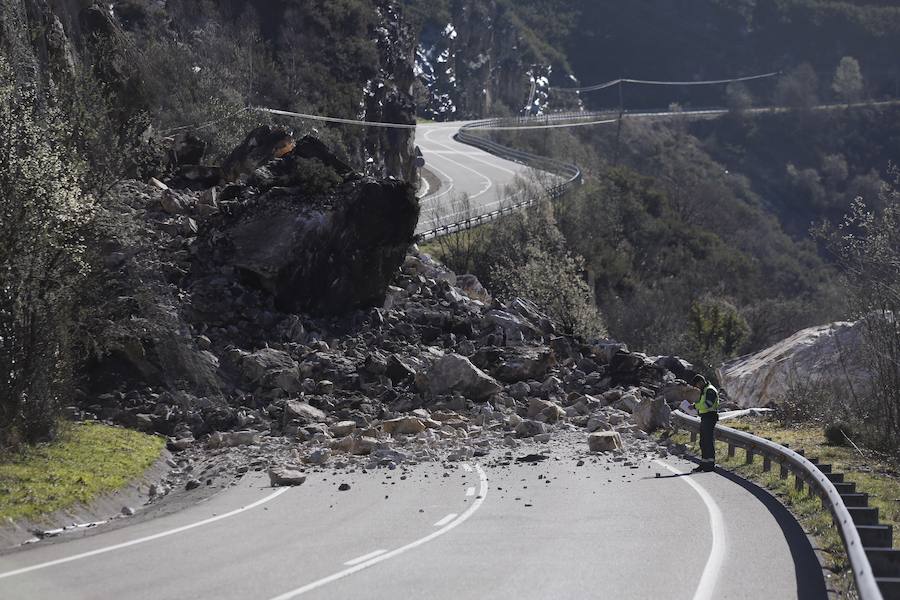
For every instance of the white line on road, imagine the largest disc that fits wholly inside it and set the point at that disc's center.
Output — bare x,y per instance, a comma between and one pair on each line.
488,180
424,187
364,557
473,155
467,468
445,520
148,538
713,567
446,177
470,491
374,561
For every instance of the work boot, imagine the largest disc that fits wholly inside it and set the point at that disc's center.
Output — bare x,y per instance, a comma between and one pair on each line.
708,466
698,469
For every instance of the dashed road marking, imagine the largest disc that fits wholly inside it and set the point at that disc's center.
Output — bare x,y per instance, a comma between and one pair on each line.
467,468
470,491
388,555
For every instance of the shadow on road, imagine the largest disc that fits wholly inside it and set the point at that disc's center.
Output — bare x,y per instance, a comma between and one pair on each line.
672,476
809,575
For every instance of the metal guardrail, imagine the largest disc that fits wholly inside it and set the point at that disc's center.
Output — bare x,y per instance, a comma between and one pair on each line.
868,583
570,173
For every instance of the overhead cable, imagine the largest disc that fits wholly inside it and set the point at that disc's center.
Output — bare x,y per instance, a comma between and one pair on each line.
609,84
286,113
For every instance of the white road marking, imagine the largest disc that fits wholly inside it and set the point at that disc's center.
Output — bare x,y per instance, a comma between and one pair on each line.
475,155
364,557
446,177
148,538
714,563
488,180
470,492
467,467
374,561
445,520
424,187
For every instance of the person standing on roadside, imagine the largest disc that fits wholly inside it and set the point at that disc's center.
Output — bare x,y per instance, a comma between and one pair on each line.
708,408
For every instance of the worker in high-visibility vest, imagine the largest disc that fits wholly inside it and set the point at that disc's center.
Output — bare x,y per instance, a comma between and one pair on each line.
707,406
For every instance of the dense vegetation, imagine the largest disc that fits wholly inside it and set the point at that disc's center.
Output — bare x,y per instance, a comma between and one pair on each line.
602,40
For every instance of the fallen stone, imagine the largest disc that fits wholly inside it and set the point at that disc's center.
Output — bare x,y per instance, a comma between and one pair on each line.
303,412
529,428
526,364
283,476
342,428
232,439
404,425
455,373
319,456
605,441
650,415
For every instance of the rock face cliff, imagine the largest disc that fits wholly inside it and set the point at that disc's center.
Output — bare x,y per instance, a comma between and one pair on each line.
480,64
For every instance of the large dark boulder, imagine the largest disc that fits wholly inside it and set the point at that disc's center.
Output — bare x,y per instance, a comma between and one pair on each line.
259,147
325,256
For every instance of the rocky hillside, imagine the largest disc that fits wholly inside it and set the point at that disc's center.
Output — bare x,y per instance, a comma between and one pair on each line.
177,64
480,59
483,58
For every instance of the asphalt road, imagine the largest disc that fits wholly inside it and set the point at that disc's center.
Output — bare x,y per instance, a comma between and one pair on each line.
463,171
501,529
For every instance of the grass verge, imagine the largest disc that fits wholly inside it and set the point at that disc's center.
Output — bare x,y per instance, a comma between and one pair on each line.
87,460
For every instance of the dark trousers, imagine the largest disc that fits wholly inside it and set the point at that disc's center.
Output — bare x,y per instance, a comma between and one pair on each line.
708,437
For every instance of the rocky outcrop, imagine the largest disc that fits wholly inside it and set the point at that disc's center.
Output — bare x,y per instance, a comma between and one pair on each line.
827,354
322,257
483,59
389,96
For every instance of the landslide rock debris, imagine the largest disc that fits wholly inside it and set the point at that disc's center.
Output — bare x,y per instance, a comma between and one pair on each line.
297,328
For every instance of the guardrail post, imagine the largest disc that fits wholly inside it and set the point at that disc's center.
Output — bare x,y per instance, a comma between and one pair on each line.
784,471
693,436
749,458
767,464
731,450
798,483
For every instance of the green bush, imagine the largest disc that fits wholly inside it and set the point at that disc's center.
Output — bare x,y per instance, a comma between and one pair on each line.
44,216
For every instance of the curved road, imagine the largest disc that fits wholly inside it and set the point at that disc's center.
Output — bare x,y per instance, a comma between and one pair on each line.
463,171
605,528
502,529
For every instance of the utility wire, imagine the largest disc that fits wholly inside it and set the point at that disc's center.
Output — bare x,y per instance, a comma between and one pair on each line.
554,126
286,113
609,84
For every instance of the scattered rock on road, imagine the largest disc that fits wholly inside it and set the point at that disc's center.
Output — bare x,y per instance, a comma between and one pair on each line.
284,476
604,441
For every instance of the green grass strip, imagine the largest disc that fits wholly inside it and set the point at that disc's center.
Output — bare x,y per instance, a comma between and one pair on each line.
87,460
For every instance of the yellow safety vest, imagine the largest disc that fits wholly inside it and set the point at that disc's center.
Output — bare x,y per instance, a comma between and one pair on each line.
703,404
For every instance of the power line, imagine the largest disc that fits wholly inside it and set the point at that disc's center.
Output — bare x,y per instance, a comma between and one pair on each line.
609,84
554,126
286,113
